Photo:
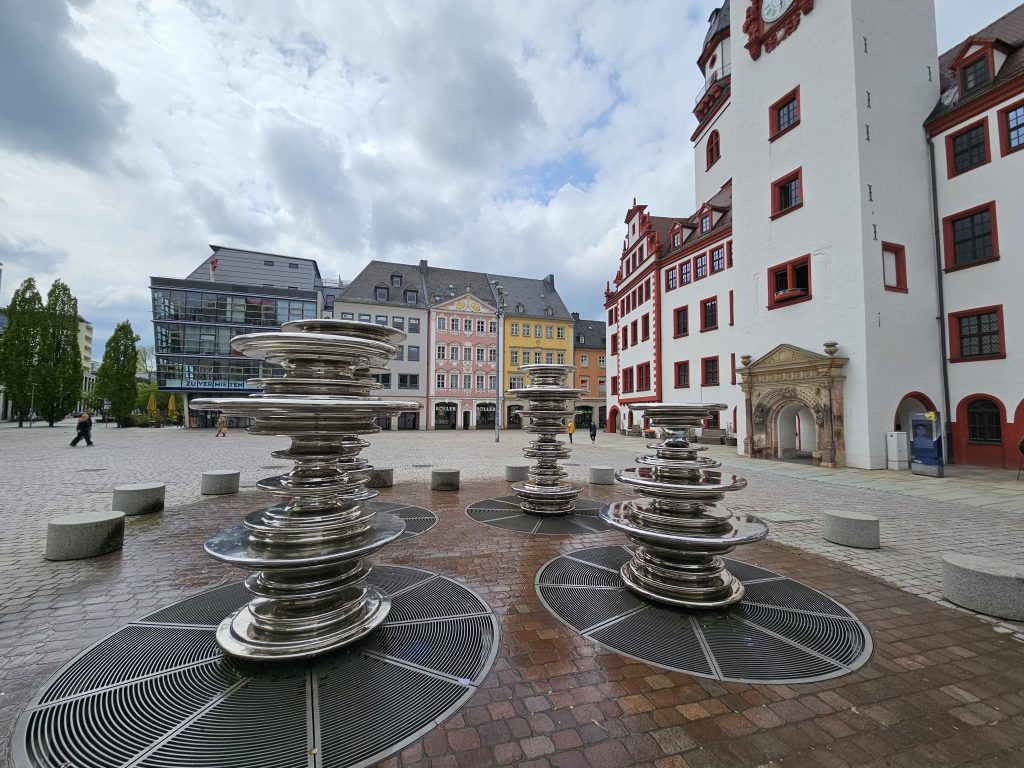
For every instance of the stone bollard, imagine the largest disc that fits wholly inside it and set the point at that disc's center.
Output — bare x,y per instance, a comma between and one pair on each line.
381,477
86,534
444,480
516,472
602,475
218,482
139,498
851,529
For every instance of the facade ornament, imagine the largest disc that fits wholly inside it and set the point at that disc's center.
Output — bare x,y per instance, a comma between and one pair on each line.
831,348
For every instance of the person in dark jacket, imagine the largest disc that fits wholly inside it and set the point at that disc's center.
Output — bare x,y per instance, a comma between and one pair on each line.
84,429
593,432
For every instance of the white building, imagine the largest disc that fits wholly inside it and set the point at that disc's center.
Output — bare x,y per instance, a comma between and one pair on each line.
812,148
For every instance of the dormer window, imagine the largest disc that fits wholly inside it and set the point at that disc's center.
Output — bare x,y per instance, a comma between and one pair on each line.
411,295
520,308
974,75
677,239
396,280
705,223
380,293
549,311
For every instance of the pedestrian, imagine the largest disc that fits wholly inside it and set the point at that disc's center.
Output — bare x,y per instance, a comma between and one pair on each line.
222,426
571,430
593,432
83,429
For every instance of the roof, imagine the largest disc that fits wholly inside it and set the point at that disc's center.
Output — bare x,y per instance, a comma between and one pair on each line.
446,284
720,201
1008,29
536,297
592,331
216,248
717,21
378,274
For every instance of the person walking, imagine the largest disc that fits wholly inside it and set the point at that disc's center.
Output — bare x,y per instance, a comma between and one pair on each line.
222,426
593,432
571,430
83,429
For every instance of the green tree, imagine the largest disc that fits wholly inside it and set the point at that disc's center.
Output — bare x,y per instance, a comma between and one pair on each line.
19,347
59,373
115,379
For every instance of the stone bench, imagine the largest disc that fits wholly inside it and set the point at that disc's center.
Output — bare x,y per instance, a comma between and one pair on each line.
444,480
139,498
984,584
86,534
380,477
219,482
851,529
601,475
711,436
514,472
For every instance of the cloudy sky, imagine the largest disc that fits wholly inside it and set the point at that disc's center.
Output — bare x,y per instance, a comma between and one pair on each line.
492,135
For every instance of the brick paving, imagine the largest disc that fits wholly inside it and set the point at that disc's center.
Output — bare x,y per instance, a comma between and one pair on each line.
944,687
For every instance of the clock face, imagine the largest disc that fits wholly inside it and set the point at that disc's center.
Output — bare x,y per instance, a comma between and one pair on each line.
772,10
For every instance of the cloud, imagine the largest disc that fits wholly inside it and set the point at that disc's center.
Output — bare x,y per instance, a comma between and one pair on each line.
30,256
57,103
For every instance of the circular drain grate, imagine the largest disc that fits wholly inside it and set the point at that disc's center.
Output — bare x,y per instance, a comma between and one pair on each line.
504,512
782,631
417,519
160,694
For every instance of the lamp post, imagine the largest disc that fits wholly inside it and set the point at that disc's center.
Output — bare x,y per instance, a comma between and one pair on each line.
499,314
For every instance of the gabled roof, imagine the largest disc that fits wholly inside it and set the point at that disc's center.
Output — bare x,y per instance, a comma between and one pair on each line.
721,201
378,273
534,295
592,331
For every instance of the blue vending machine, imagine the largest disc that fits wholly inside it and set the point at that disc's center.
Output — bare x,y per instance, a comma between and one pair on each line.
926,444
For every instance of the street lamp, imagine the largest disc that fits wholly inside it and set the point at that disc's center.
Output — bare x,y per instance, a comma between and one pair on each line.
499,314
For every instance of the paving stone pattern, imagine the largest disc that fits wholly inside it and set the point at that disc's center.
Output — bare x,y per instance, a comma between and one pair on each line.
944,687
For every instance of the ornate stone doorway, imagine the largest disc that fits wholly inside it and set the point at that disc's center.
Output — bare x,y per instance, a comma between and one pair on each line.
794,404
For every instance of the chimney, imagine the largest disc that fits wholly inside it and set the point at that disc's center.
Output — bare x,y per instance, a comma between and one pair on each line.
575,315
423,267
549,282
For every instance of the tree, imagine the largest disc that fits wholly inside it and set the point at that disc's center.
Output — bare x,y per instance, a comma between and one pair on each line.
59,373
115,379
19,347
147,362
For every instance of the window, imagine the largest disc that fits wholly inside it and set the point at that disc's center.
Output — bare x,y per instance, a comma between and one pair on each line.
408,381
396,280
632,332
549,332
971,237
514,357
584,361
536,358
467,381
702,266
709,371
380,293
682,374
442,323
709,314
784,114
1011,128
479,381
293,265
364,318
384,379
479,354
440,381
414,353
643,377
560,358
268,263
974,75
347,316
526,329
967,149
492,382
789,283
601,388
585,384
549,358
611,316
705,224
454,354
624,334
480,325
976,334
467,353
686,273
615,385
513,329
718,259
983,422
453,381
398,322
681,321
671,276
627,381
401,352
600,361
414,325
536,331
381,319
560,333
516,382
894,267
677,239
714,150
645,327
615,344
411,296
787,193
493,327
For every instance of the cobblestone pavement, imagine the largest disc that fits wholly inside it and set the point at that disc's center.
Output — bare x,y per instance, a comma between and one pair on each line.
944,687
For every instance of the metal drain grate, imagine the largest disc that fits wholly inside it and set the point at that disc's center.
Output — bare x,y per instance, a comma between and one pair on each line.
504,512
782,632
417,519
160,694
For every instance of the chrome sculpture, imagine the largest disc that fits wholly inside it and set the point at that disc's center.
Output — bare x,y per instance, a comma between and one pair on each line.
308,553
545,491
679,533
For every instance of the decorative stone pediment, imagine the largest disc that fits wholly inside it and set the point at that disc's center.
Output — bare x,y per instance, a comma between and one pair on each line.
786,355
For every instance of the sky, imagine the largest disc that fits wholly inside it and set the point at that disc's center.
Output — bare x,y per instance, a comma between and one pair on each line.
508,137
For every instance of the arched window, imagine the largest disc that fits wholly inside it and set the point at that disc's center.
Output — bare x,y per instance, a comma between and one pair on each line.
714,148
983,422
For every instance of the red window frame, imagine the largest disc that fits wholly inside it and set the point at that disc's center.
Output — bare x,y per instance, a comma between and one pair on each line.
615,343
615,385
899,265
682,374
627,381
624,338
949,247
714,149
704,302
777,210
711,259
686,272
790,295
632,332
732,313
671,280
1003,117
954,334
645,326
985,53
773,115
643,377
704,382
700,263
951,170
732,366
728,255
684,311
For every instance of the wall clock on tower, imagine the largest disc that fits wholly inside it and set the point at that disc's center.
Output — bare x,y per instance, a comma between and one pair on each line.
769,22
